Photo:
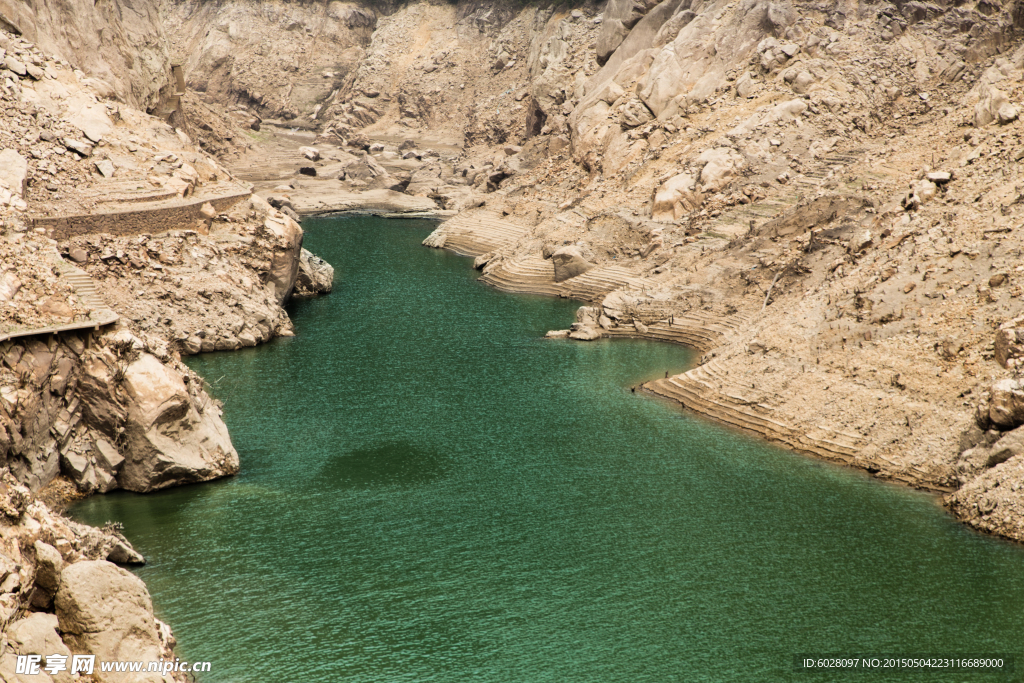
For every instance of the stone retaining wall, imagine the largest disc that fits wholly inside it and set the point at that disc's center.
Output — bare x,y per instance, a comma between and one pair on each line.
135,222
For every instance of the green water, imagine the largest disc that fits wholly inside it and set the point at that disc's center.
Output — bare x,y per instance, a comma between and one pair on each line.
430,491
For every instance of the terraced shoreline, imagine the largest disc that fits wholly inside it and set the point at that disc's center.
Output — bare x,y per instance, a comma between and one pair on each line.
706,389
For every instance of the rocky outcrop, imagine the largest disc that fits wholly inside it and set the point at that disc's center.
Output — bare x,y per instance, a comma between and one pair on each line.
61,595
169,439
107,413
315,276
284,263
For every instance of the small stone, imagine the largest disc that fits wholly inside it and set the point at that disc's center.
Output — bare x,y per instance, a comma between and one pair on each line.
49,565
78,146
939,177
745,86
79,255
15,65
35,72
1007,113
803,82
997,279
105,167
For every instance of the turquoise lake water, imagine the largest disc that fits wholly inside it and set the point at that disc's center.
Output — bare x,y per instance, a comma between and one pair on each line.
431,491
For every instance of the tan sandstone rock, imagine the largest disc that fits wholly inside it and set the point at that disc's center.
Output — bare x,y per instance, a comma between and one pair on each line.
105,610
676,197
569,262
13,171
285,261
721,165
37,635
169,441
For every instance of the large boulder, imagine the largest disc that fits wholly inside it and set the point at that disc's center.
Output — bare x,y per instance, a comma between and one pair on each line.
37,634
569,262
1006,404
168,440
675,197
105,610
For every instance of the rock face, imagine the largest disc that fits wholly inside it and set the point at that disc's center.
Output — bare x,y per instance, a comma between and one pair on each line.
284,60
619,17
105,610
569,262
284,264
121,45
115,416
